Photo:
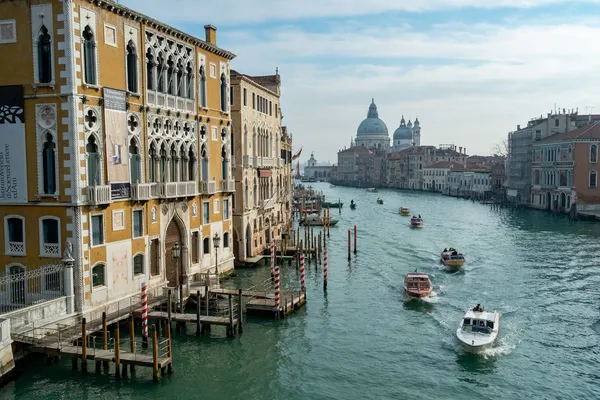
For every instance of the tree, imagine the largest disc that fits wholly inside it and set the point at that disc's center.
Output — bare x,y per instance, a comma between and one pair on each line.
500,149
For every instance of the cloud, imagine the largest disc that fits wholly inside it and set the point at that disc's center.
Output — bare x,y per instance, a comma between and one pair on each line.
469,82
250,12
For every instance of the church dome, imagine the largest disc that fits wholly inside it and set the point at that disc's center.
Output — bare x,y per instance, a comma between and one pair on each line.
372,125
403,132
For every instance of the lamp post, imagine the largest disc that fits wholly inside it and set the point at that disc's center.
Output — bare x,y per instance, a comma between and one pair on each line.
175,253
216,243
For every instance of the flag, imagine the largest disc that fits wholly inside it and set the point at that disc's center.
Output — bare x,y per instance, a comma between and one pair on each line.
297,154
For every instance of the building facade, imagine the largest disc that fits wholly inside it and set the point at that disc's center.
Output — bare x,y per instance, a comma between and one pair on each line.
263,169
565,171
125,122
314,170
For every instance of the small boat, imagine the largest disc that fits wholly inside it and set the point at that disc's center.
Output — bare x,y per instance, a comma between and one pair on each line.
404,211
478,330
452,259
317,220
379,201
328,204
352,205
416,222
372,190
331,186
417,285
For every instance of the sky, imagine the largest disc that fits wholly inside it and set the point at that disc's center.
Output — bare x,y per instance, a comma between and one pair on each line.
470,70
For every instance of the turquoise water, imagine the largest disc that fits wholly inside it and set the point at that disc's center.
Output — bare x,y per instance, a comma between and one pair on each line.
361,341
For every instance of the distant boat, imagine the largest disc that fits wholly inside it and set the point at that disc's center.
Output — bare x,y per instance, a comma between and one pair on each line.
417,285
404,211
331,186
416,222
379,201
352,205
317,220
478,330
452,259
372,190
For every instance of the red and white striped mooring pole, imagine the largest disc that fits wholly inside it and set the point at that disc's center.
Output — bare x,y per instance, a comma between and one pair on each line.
277,293
302,285
144,314
272,260
325,268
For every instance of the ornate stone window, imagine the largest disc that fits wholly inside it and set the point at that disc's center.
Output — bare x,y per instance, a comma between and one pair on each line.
132,68
50,237
89,56
14,235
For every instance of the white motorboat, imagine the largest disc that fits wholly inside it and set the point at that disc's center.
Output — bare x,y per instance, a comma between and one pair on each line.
478,330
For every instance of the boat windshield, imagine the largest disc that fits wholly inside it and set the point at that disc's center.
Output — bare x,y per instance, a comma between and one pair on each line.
478,325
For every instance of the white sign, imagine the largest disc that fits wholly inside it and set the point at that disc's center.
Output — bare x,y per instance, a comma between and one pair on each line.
13,168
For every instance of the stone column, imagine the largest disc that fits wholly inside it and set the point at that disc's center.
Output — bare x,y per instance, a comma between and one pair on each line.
68,261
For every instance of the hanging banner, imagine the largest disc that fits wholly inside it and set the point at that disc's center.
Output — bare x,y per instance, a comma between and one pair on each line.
117,156
13,168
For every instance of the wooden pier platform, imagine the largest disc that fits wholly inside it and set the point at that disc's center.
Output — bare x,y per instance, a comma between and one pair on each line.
206,321
265,304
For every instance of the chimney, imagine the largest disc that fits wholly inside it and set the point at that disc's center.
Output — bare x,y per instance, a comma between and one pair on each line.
211,34
460,150
518,127
465,151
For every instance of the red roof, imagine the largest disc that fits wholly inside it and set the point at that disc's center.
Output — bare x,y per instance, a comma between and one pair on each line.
591,131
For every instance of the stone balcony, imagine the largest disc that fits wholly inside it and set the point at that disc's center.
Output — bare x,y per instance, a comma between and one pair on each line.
228,186
144,191
248,161
170,190
208,187
268,162
98,195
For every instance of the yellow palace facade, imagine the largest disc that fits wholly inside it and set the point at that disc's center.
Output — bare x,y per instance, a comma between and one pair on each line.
115,142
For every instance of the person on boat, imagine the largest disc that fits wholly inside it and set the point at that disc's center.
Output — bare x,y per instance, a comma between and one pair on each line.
419,216
477,308
445,250
352,201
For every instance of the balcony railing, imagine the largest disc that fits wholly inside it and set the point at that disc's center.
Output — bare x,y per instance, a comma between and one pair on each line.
268,162
248,161
177,189
228,186
143,191
98,195
269,203
257,162
208,187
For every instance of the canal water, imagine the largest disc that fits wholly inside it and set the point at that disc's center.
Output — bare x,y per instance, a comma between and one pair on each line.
361,341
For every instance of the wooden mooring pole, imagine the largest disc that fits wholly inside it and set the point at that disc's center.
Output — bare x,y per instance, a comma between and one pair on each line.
355,238
104,339
349,257
240,311
155,372
117,352
132,342
83,346
198,330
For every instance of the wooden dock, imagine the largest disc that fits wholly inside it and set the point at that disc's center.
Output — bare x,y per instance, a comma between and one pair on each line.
85,348
203,322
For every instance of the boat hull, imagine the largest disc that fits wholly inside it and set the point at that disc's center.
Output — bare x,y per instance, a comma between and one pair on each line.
416,225
405,213
453,264
476,347
417,294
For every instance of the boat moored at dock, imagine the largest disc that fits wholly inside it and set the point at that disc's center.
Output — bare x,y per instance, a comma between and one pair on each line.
478,330
317,220
405,211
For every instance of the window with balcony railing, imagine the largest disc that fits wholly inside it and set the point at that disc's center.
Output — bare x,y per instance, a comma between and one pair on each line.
14,237
50,237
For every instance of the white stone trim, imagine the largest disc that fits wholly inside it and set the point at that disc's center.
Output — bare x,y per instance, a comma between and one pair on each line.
41,236
41,15
88,17
44,126
14,28
114,29
131,33
213,71
91,229
7,251
133,211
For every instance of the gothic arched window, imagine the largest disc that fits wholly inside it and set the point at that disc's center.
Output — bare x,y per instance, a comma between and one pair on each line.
132,68
93,162
49,165
44,48
223,93
89,56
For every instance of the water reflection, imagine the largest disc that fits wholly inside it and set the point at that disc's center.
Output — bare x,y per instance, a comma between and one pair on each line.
476,363
417,305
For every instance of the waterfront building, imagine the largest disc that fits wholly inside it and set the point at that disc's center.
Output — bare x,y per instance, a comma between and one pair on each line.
435,176
263,169
125,125
352,166
520,148
565,170
314,170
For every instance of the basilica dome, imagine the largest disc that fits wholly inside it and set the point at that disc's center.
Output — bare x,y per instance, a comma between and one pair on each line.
372,125
403,132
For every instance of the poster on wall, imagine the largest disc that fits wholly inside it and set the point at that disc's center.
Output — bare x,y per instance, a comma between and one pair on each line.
117,151
13,171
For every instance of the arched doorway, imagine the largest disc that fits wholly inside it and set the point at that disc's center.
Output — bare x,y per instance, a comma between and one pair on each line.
563,200
248,241
236,246
548,201
174,270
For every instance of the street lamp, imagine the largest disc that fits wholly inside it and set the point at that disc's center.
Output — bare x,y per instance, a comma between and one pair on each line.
216,243
175,253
